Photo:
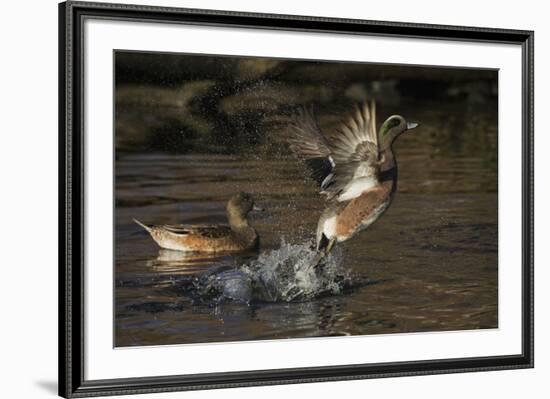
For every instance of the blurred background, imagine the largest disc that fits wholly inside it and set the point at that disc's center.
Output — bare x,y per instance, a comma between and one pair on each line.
178,104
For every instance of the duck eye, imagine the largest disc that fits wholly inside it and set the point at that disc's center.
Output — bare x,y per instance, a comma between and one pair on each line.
389,124
394,122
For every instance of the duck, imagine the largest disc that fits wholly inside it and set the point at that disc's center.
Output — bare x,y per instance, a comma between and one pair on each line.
355,167
236,236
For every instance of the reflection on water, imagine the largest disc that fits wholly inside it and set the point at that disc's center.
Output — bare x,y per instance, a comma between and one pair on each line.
429,264
176,262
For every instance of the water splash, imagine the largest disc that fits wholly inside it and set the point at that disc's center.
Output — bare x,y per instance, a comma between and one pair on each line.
281,275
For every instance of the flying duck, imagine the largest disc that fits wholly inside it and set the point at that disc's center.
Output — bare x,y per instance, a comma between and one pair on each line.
355,167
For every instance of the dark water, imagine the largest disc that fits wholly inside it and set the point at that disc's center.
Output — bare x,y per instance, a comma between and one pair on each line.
429,264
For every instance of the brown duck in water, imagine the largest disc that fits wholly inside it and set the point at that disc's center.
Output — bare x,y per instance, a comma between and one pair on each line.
237,236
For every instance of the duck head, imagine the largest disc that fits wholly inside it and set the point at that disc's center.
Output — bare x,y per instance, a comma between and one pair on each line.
392,128
238,208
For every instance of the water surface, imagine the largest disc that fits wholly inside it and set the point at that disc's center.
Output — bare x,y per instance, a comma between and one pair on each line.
429,264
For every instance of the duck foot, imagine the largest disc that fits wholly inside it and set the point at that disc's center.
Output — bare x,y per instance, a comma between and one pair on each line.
323,253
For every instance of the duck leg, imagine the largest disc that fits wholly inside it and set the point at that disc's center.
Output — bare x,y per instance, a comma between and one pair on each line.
330,245
323,253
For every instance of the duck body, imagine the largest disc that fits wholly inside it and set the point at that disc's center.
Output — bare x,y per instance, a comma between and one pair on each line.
203,238
342,221
237,236
355,166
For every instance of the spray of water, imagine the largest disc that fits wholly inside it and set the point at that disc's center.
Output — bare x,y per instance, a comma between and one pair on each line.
281,275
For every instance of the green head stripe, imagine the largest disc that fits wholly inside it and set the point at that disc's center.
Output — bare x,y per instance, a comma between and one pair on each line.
388,125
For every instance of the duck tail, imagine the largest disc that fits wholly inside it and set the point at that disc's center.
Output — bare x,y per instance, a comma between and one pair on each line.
147,228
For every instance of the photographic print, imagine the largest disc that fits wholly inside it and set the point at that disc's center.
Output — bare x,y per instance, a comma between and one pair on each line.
264,198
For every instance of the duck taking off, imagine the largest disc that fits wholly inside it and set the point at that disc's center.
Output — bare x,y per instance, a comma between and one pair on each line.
355,167
237,236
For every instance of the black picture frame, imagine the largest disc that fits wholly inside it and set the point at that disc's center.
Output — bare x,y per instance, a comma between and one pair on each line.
71,196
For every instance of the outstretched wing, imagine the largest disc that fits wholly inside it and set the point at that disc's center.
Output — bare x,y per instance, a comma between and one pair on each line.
305,138
206,231
354,150
307,142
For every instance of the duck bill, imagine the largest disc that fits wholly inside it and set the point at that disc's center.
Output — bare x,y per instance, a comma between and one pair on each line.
258,208
411,125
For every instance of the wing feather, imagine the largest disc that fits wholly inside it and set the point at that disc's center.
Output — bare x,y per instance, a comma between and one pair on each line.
305,138
354,148
207,231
